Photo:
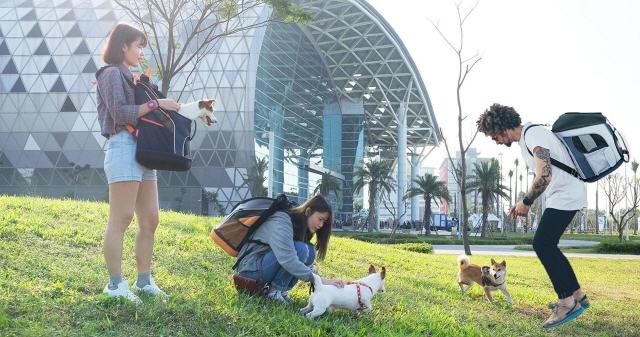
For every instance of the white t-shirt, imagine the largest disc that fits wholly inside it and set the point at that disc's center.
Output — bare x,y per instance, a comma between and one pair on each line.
565,192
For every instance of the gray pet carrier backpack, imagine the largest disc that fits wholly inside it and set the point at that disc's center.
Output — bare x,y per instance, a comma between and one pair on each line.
594,145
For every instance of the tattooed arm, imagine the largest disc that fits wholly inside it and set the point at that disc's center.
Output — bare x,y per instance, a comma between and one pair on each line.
542,160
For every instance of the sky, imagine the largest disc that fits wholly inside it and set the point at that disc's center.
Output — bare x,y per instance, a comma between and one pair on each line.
541,57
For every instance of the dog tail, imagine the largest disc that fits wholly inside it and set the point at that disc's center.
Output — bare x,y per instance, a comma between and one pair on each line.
463,261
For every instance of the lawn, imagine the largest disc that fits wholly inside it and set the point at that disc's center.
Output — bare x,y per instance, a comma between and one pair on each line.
52,273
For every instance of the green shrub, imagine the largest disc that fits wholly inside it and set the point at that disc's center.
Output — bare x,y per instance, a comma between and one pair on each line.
385,238
421,247
619,248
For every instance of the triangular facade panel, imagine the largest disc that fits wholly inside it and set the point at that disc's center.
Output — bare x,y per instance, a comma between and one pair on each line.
68,106
50,68
58,86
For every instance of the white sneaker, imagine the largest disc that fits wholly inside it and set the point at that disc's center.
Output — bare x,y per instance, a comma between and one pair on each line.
278,296
122,291
150,289
285,295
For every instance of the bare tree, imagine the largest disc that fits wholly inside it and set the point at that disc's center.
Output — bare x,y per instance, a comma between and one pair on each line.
465,65
616,188
634,168
183,32
392,209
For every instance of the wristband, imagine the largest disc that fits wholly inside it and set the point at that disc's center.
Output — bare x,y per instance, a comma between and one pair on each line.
527,201
152,105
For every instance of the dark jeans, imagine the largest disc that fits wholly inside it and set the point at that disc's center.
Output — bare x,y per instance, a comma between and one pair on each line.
545,243
271,272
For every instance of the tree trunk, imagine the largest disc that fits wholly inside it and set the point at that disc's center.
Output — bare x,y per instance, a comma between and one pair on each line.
372,207
475,202
463,181
597,223
485,216
427,215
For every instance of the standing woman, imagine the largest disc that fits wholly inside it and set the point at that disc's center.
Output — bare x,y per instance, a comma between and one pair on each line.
132,187
280,252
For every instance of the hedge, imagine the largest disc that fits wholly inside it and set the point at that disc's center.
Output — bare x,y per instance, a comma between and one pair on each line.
618,248
422,247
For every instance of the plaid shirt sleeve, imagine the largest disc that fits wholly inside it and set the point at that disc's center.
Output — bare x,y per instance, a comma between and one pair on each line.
117,98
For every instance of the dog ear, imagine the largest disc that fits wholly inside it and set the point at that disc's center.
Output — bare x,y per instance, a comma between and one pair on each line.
493,262
383,273
503,263
372,269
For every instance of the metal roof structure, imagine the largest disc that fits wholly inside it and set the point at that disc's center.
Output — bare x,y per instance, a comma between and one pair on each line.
367,61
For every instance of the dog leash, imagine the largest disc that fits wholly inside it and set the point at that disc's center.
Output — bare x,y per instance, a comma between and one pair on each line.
358,284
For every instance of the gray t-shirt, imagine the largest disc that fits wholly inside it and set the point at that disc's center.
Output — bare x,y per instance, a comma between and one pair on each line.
277,235
565,192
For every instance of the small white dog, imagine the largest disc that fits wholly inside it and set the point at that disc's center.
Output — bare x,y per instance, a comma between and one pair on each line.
199,109
354,296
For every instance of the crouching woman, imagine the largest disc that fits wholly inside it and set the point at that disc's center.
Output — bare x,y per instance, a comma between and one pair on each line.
280,252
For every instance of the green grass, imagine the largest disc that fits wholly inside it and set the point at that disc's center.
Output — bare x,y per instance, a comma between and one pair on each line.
52,273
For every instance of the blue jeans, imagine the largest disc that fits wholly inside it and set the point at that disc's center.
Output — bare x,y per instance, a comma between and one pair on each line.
271,272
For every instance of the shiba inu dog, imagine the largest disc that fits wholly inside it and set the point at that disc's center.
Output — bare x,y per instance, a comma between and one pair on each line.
354,296
199,109
490,278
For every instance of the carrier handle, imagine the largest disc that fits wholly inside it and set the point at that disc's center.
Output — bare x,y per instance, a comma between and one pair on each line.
195,128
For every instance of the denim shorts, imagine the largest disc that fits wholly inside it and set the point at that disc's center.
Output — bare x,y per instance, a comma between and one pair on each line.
120,160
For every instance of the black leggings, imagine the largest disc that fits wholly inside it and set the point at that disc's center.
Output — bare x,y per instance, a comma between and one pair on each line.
545,243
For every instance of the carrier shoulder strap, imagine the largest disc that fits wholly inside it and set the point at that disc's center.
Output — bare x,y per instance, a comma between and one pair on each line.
554,162
280,204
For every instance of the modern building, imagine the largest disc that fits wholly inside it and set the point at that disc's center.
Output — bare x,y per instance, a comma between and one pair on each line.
447,176
301,99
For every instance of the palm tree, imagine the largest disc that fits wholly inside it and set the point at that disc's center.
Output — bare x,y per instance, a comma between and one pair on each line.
212,197
485,180
515,193
634,168
521,192
378,175
526,175
256,179
430,189
510,190
328,184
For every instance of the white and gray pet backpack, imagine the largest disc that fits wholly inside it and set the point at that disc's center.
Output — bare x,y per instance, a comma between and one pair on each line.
594,145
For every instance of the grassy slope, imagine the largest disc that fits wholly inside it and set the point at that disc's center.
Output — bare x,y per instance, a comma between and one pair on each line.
52,273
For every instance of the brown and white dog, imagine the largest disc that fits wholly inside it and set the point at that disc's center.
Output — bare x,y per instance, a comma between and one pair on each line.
199,109
354,296
490,278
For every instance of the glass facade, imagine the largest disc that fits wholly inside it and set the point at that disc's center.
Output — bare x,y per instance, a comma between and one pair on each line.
298,120
293,102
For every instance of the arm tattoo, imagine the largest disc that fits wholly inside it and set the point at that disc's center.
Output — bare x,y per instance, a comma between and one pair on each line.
543,178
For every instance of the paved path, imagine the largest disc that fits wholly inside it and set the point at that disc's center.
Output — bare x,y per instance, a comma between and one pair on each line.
508,250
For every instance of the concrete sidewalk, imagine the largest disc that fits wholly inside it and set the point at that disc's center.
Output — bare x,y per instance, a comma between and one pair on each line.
508,250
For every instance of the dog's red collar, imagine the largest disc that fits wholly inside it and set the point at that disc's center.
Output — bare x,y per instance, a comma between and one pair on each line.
358,284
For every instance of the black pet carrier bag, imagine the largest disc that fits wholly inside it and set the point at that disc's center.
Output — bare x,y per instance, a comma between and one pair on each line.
163,137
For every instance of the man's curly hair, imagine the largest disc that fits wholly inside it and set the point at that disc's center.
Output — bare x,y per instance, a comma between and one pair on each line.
497,119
